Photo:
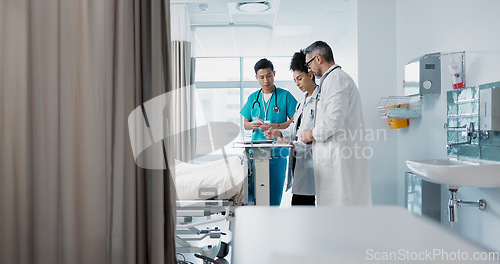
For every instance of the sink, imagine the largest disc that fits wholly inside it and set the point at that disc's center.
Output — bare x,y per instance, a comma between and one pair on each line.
456,173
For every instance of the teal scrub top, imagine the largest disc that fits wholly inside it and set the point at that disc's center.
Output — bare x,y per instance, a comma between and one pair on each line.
285,102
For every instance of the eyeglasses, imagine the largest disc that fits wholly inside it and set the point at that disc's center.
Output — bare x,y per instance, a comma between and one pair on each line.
309,62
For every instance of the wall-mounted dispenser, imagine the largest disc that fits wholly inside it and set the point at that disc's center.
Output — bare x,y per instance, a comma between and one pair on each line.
489,109
423,75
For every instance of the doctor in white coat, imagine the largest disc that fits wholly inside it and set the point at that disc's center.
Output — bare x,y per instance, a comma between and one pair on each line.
340,151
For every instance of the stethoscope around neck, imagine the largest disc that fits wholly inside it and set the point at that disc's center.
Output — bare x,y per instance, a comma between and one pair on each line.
319,91
275,108
322,79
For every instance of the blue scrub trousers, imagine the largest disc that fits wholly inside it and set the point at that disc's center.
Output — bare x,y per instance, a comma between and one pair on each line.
277,174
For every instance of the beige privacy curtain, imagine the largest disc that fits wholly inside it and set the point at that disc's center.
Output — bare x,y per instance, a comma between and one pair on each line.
183,100
70,73
182,82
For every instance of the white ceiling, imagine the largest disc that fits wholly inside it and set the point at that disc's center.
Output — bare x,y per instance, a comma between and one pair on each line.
286,27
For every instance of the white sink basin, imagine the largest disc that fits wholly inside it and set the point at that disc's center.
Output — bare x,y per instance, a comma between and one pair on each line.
455,173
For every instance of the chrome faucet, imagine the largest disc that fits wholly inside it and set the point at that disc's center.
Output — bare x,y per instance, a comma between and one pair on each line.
471,134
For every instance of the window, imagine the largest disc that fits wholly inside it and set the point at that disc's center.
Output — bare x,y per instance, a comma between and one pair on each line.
223,86
217,69
220,104
281,67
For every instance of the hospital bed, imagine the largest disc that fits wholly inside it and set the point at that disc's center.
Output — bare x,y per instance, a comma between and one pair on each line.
207,194
210,192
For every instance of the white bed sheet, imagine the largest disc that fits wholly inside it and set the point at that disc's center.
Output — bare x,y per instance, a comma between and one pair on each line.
227,178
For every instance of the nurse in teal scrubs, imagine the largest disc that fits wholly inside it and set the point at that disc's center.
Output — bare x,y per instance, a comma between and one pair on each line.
270,107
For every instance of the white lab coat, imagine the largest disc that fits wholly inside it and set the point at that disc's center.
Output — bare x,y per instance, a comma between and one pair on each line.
340,151
302,174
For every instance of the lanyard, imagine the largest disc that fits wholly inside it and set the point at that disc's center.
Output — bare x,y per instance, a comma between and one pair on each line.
266,106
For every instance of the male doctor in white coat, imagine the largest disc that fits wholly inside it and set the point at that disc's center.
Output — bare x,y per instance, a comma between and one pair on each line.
340,152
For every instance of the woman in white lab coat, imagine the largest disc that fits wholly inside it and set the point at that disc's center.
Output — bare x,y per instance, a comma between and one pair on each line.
340,152
300,165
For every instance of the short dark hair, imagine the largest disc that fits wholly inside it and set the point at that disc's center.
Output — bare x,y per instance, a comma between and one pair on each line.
263,64
322,48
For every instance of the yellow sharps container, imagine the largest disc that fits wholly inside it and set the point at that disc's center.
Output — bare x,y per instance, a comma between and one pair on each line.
397,123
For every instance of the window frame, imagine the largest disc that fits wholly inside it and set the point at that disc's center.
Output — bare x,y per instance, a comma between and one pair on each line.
241,84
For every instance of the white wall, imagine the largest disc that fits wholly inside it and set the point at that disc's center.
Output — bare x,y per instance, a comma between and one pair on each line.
427,26
391,33
377,78
342,44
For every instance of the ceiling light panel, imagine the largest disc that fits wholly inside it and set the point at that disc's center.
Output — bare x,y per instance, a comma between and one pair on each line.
253,7
234,8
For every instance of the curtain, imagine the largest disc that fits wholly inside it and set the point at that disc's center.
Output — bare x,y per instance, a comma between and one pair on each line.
183,84
70,73
183,95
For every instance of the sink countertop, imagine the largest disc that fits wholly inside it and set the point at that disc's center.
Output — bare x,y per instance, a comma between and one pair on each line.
456,173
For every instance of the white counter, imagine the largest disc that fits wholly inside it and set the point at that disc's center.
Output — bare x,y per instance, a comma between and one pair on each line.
344,235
